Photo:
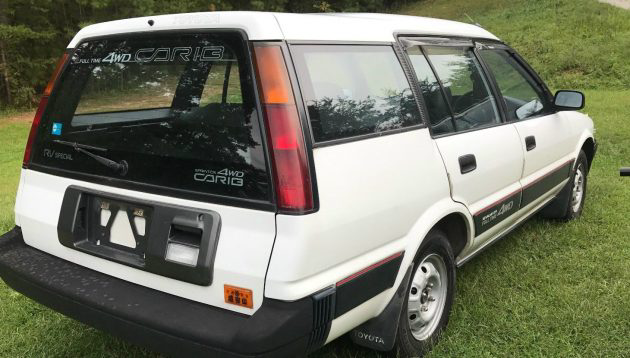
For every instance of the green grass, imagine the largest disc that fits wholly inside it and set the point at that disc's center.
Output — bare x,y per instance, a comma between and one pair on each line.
571,43
12,140
548,289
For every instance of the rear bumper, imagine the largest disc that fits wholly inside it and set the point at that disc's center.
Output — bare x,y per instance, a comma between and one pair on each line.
157,320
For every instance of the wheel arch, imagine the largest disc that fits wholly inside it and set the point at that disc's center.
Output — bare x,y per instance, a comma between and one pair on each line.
457,230
449,216
588,146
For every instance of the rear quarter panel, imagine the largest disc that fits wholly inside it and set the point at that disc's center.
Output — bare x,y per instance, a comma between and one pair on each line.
378,196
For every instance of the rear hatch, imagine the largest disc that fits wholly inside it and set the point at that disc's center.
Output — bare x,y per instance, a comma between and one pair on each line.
148,164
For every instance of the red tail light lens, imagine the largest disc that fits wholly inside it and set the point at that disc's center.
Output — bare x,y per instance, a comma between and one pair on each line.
40,110
31,136
284,131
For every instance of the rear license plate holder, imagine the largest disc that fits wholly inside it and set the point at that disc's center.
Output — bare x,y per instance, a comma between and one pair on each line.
137,233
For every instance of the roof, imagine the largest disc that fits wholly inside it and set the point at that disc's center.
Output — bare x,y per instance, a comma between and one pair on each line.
297,27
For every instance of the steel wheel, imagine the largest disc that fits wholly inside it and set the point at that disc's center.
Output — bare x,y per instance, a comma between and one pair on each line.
578,189
427,296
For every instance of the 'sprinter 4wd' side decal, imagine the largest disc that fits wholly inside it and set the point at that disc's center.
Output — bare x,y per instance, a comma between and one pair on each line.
497,211
508,205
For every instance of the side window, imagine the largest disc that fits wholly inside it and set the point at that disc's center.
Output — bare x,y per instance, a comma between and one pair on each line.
439,113
354,90
465,86
522,96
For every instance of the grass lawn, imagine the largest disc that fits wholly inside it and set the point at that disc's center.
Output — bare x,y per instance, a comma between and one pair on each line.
548,289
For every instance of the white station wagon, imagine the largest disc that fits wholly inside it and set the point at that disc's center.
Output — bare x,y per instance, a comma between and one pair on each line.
259,184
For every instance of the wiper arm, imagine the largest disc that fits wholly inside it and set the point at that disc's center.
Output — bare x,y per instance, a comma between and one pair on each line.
79,145
120,167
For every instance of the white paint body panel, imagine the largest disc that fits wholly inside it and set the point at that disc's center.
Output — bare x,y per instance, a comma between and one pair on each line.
241,259
297,27
555,141
499,165
371,194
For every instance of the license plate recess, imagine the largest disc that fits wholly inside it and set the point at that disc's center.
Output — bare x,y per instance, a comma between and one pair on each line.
138,233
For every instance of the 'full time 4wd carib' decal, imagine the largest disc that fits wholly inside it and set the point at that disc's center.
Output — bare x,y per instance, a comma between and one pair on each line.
162,54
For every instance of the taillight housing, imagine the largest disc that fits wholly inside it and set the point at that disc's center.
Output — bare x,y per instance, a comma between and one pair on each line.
43,102
292,178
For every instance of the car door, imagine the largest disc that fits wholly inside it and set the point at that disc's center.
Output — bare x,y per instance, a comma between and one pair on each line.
482,154
547,137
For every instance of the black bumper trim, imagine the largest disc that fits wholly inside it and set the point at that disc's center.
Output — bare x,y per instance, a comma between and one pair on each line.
151,318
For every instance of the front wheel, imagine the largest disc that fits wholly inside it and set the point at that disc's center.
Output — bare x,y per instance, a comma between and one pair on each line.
429,297
578,189
569,203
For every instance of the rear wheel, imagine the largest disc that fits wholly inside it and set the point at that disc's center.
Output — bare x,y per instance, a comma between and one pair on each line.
429,297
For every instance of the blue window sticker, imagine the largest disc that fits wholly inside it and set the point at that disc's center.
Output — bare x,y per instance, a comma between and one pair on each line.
56,128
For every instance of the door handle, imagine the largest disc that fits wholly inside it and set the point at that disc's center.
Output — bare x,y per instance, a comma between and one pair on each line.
467,163
530,142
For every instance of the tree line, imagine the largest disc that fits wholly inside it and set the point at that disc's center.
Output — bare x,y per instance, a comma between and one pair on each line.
34,33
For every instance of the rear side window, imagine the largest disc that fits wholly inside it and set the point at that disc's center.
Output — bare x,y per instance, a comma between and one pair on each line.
354,90
178,108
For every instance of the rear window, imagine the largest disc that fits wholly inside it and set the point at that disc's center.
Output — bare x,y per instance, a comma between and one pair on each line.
354,90
179,109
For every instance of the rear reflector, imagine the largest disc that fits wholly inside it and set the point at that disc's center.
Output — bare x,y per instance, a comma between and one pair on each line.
40,110
289,160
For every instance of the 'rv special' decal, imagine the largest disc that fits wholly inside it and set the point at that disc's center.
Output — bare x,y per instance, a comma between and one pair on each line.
162,54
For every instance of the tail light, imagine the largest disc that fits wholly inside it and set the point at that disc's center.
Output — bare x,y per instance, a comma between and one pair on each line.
40,110
284,132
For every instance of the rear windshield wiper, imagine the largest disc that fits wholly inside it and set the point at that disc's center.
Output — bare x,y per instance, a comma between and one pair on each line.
120,167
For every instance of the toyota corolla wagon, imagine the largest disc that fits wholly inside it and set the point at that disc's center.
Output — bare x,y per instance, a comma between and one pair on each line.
259,184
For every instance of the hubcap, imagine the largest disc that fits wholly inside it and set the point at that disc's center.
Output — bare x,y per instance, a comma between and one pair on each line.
427,297
578,189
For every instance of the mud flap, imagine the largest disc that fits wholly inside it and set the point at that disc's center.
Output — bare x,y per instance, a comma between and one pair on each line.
379,333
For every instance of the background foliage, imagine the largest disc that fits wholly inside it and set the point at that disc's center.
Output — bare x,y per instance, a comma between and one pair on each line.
34,33
550,289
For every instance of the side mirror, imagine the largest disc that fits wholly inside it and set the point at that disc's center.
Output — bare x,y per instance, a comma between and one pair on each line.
568,100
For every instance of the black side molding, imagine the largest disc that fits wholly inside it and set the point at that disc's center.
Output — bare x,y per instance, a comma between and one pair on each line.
367,283
547,182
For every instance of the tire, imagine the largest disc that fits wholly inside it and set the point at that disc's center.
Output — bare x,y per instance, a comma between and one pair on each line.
568,205
418,329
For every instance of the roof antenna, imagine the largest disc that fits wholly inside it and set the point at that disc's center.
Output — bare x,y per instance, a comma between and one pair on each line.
473,21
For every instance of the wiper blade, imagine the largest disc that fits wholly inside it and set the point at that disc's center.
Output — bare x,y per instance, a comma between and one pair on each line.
120,167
